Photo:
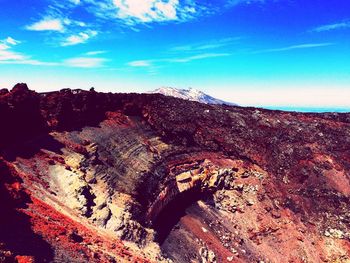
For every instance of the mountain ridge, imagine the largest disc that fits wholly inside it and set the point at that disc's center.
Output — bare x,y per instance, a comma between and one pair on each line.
191,94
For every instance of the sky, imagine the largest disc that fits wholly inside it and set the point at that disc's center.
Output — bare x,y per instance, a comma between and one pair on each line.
270,53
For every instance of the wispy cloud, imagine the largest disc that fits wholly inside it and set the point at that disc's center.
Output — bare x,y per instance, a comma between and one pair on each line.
293,47
79,38
9,56
141,63
149,66
73,23
59,17
69,31
148,10
32,62
230,3
10,41
212,44
76,2
6,52
133,12
94,53
47,24
151,63
198,57
85,62
329,27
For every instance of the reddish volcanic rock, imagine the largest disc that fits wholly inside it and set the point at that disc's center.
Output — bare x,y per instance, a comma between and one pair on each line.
25,259
97,177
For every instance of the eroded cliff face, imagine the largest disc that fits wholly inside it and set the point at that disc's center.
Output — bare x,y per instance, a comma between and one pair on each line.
93,177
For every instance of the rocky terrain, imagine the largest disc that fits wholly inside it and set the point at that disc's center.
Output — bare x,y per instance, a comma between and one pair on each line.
192,95
102,177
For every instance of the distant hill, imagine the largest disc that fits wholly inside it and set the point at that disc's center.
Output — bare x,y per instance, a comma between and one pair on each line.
191,94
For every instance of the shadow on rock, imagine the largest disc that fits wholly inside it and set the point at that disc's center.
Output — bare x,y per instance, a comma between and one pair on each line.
15,226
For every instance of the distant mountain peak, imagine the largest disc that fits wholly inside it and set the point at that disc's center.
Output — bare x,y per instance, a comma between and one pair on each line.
190,94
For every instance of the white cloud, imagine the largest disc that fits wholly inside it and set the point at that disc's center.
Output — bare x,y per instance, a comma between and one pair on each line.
47,24
32,62
133,12
79,38
3,46
154,63
69,31
213,44
94,53
81,24
127,12
55,22
69,22
329,27
230,3
84,62
76,2
198,57
11,41
147,10
140,63
294,47
8,42
8,56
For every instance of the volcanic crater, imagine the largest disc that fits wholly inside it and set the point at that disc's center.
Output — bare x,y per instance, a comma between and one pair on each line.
101,177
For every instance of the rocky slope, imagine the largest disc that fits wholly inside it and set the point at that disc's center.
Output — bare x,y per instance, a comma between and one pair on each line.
191,94
94,177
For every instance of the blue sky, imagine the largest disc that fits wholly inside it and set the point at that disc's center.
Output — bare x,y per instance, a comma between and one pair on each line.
256,52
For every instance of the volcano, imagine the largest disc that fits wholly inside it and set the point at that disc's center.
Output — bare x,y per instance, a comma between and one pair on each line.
191,94
101,177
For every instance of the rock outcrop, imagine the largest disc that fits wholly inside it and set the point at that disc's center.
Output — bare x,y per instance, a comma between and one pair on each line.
97,177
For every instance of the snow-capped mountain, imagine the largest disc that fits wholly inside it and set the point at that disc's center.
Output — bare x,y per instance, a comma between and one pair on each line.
190,94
